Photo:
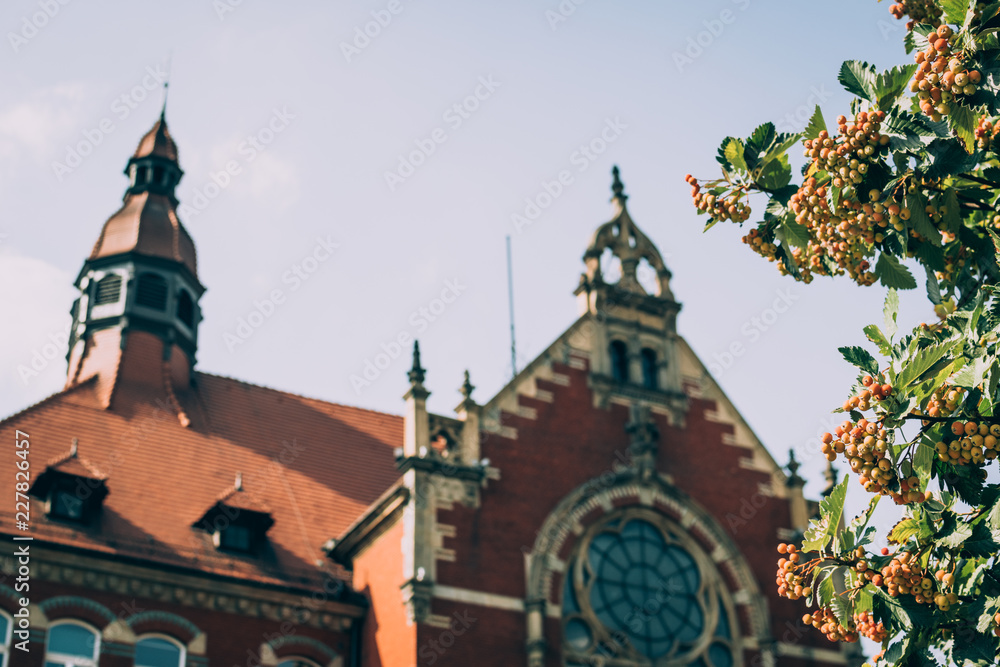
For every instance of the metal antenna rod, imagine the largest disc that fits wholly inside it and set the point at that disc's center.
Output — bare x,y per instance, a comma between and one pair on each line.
510,299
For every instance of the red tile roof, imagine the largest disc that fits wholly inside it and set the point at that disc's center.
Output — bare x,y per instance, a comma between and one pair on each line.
315,466
147,224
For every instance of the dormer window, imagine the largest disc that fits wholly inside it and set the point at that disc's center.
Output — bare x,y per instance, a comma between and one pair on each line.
238,521
71,488
109,289
151,291
619,361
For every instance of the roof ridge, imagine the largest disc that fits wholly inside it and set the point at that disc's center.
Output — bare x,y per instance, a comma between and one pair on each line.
297,395
75,454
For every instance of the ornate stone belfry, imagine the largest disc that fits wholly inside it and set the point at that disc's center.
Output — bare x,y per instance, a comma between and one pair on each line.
633,351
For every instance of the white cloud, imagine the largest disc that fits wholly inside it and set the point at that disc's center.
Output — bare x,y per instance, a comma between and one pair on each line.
33,128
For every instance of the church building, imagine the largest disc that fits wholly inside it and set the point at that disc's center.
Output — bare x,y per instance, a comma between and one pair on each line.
608,507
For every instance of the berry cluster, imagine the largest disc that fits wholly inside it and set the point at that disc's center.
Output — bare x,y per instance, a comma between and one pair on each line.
972,443
945,600
868,627
946,398
986,132
848,155
942,77
719,208
790,583
825,621
875,390
919,11
759,245
904,576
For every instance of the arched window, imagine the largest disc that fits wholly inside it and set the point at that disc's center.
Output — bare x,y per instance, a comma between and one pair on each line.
151,291
6,630
109,289
72,644
158,651
641,592
297,662
619,361
185,309
649,368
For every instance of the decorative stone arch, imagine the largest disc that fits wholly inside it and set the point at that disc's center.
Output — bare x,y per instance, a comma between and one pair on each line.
166,623
615,491
289,646
83,609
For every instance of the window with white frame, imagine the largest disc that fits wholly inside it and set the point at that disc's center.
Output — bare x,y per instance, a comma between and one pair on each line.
158,651
72,644
6,630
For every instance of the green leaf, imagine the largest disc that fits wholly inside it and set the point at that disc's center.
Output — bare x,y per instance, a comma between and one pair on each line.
972,375
890,84
732,152
962,122
858,78
876,336
904,530
898,649
919,219
889,312
923,461
822,529
893,274
948,157
758,142
815,126
954,11
775,174
981,543
795,233
921,362
860,357
933,287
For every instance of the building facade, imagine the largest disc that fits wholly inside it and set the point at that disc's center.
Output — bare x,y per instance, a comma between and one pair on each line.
609,506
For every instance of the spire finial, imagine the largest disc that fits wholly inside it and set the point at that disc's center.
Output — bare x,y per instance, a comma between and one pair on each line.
239,482
793,469
74,447
163,110
467,387
616,185
416,374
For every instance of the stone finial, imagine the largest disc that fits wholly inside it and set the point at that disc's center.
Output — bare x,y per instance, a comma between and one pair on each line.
416,374
644,437
467,387
616,185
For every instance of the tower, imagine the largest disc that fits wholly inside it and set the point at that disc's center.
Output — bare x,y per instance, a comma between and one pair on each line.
137,314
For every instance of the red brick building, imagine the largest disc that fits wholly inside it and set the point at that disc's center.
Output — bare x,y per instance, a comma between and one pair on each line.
608,506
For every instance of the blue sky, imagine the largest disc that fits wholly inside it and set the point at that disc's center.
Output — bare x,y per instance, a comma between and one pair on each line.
499,98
